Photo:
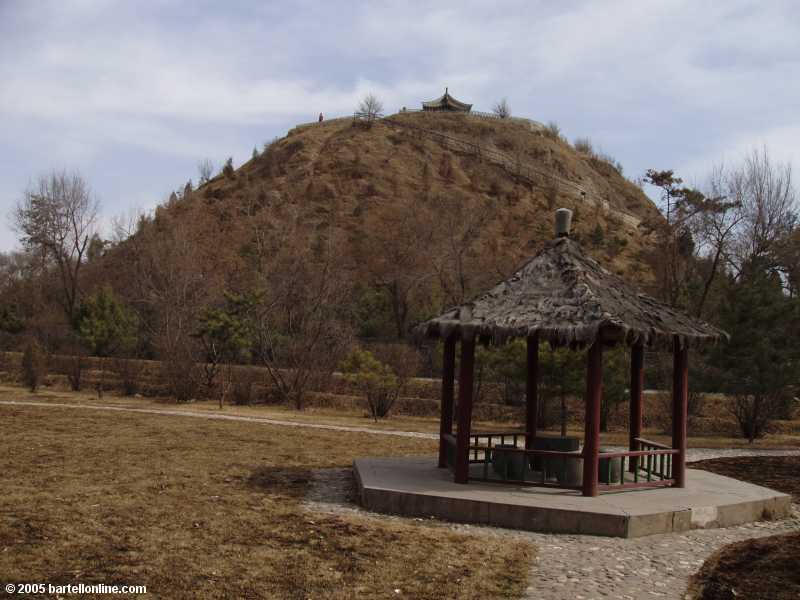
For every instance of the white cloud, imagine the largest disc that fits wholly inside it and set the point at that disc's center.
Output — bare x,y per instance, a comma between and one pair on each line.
668,84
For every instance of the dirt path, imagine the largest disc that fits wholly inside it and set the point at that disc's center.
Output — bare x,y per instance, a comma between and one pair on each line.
202,415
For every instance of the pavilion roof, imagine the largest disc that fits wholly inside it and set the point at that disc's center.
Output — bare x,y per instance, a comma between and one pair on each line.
568,298
447,101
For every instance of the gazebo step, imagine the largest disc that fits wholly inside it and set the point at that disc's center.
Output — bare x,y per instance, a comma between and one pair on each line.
414,487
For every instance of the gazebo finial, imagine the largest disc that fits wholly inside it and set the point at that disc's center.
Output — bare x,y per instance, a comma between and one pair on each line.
563,222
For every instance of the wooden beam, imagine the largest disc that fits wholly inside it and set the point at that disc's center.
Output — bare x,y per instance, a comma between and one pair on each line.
680,410
448,388
465,376
636,402
531,390
591,438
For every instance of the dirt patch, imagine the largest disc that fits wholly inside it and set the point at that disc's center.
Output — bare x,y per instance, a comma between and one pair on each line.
759,569
780,473
755,569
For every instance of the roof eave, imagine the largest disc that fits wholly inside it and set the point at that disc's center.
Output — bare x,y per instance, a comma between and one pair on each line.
581,335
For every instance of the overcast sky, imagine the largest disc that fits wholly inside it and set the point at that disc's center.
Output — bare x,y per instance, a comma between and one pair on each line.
135,94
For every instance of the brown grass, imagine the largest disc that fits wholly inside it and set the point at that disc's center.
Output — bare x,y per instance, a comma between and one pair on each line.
205,509
764,568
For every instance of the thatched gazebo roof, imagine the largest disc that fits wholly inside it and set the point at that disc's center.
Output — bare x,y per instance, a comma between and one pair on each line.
567,298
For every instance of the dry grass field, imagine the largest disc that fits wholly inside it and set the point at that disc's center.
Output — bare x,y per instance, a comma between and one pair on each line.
196,508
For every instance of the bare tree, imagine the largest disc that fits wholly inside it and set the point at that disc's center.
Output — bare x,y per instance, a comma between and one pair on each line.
714,228
126,224
396,258
300,333
765,191
502,109
206,170
455,259
370,108
57,218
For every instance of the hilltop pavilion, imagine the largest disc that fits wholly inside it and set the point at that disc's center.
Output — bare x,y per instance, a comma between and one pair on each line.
446,103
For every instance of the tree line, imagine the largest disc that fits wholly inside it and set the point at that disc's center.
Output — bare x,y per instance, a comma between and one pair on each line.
726,250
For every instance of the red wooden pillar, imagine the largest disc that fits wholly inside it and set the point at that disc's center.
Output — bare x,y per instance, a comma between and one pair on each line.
680,409
465,374
591,438
637,385
448,387
531,390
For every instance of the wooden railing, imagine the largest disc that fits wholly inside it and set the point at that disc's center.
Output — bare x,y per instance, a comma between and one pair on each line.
481,442
653,469
505,459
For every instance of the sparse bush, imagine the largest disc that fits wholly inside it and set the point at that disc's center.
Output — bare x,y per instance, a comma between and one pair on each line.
34,365
755,413
402,358
206,169
615,245
376,380
501,109
270,144
244,381
370,108
553,131
129,373
606,158
597,236
76,363
584,146
179,371
227,168
662,409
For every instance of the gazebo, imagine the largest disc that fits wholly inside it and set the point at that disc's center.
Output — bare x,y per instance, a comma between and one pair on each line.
565,298
446,103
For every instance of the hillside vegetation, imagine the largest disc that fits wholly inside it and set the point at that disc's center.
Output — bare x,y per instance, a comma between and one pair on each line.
338,177
341,236
416,221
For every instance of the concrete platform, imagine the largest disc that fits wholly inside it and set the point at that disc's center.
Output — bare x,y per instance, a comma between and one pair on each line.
416,487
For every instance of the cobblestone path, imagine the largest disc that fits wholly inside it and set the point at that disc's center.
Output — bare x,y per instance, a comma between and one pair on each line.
578,567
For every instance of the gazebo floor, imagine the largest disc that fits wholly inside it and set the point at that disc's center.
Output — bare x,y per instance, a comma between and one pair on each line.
416,487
